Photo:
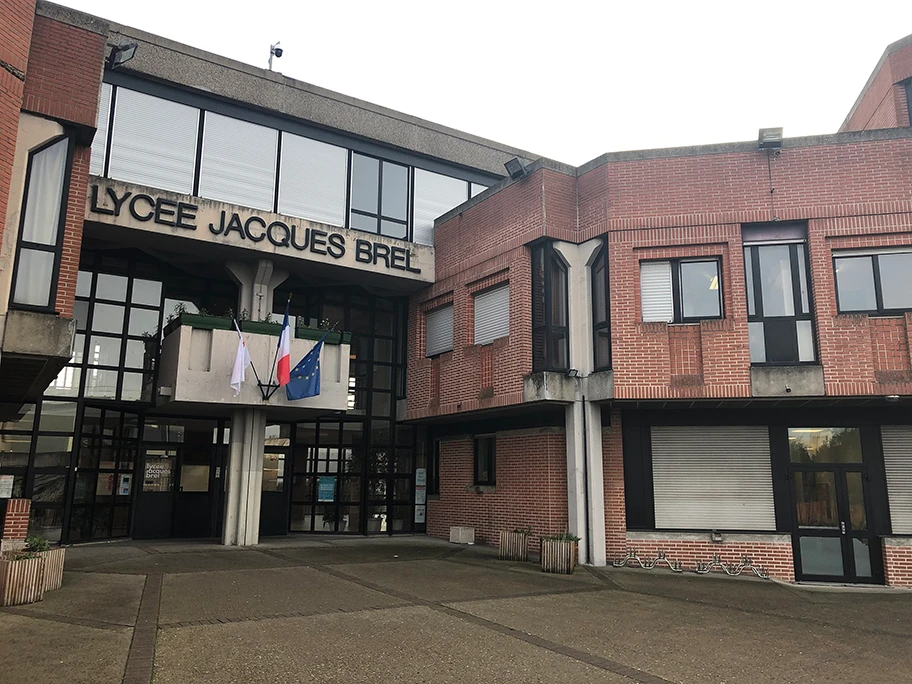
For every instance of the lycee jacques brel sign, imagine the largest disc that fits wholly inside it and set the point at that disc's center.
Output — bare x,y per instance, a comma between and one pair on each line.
131,206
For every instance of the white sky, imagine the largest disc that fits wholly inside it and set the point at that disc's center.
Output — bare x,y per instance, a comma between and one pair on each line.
584,77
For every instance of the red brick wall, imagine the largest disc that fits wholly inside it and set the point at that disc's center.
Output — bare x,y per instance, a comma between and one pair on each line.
613,476
15,35
883,103
531,490
72,236
898,565
776,559
16,519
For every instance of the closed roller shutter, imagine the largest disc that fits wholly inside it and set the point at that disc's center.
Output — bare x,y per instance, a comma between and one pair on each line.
435,195
239,162
439,324
100,141
492,315
712,478
655,291
897,446
153,142
312,180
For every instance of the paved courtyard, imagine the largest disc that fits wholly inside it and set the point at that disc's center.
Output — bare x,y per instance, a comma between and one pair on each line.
421,610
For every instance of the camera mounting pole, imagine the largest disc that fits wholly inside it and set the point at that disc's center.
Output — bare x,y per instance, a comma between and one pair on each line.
274,51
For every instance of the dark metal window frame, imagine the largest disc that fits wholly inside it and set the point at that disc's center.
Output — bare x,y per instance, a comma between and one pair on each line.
796,296
551,261
880,310
56,249
676,301
492,455
379,214
599,324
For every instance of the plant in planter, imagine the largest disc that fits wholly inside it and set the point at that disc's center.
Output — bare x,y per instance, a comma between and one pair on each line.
22,577
266,326
53,559
515,545
202,320
559,553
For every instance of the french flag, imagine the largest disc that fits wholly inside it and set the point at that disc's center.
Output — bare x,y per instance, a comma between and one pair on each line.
283,365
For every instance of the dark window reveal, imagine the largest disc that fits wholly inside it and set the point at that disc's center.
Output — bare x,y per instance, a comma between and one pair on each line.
379,196
601,328
550,310
485,460
680,291
874,283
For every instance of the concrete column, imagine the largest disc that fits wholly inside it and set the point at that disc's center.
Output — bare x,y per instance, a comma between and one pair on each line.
576,478
245,478
256,282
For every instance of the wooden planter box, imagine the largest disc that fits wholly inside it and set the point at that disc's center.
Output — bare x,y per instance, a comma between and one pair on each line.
53,570
200,322
558,556
21,581
261,328
514,546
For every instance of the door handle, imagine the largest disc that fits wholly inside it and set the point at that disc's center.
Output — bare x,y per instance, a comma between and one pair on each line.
842,526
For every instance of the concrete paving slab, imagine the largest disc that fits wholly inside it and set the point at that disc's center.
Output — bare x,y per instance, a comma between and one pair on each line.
339,554
93,596
195,561
33,651
698,643
250,594
88,556
435,580
410,644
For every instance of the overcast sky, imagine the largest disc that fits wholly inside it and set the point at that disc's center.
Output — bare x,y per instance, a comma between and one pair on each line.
565,80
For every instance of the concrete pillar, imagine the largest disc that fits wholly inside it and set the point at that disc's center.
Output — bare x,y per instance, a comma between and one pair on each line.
256,283
245,478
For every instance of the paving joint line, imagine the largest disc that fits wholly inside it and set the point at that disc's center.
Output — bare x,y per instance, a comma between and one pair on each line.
66,619
141,656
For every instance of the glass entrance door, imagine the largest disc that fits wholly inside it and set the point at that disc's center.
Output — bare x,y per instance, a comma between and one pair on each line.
155,499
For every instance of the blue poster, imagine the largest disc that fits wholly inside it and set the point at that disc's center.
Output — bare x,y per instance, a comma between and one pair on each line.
326,488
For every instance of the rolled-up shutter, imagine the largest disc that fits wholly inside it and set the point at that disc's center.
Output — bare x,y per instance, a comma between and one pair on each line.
712,478
100,141
435,195
655,291
439,325
239,162
492,315
312,180
153,142
897,448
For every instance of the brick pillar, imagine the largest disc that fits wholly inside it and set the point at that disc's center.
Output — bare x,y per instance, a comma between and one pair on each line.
16,519
897,552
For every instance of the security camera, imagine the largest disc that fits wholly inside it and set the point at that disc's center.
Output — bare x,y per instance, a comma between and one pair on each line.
277,51
274,51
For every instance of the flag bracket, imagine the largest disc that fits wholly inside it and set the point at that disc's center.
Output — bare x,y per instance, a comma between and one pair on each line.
267,389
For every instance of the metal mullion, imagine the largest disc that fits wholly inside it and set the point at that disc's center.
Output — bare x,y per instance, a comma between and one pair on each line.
878,285
678,314
546,318
278,170
796,282
198,162
110,132
379,195
757,284
348,189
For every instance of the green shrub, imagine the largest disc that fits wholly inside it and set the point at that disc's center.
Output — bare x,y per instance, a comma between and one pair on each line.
37,544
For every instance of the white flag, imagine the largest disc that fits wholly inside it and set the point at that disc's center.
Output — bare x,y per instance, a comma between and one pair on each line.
241,361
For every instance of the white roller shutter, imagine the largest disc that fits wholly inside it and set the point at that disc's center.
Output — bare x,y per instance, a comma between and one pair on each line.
712,478
492,315
897,447
153,142
439,326
312,180
655,291
100,141
239,162
435,195
478,189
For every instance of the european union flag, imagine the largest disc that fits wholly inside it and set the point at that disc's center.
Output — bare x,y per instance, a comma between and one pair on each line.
305,377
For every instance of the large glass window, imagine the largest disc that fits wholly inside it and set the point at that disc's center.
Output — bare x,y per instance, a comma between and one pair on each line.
680,290
601,328
825,445
780,322
874,283
41,231
379,196
550,310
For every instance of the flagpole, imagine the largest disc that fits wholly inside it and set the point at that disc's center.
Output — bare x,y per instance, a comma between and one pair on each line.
275,358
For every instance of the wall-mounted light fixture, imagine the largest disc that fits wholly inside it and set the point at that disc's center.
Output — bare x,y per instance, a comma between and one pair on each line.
572,372
515,168
716,536
770,138
121,54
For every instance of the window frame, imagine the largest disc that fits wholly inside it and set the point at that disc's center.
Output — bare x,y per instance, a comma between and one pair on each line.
677,303
428,313
379,216
491,480
603,325
56,249
551,261
874,256
505,284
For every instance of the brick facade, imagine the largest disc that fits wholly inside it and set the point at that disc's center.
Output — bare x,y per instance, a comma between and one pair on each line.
898,562
16,519
883,103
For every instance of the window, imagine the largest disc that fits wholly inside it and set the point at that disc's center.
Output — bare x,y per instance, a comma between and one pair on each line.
41,230
492,314
680,290
439,331
874,283
435,195
312,180
550,318
485,460
601,328
780,323
379,197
